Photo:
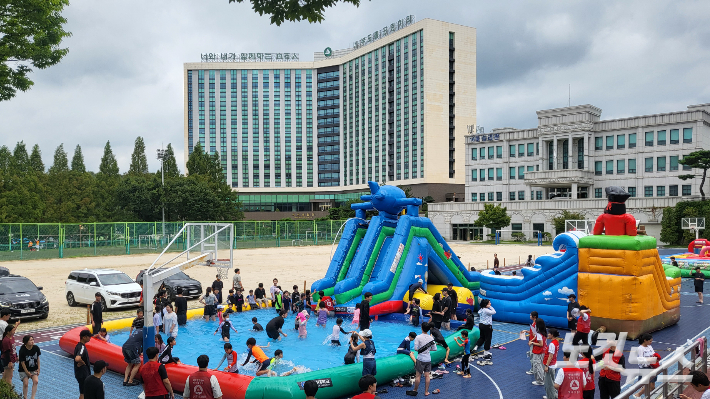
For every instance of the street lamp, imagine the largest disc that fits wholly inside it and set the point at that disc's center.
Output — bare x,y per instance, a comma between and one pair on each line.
161,157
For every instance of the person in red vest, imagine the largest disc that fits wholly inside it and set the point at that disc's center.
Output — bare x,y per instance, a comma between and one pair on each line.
155,378
615,221
587,364
610,374
202,384
550,362
569,381
584,326
531,334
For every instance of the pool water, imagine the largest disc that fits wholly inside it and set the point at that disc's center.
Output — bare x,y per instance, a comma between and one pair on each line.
312,353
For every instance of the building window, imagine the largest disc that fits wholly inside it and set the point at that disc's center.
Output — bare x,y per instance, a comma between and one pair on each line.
499,174
491,176
512,173
660,191
482,197
598,142
631,191
661,164
632,140
516,226
499,196
674,162
632,166
521,150
675,136
511,195
538,195
609,167
473,154
499,152
620,141
580,154
531,149
474,196
482,153
648,191
598,168
490,196
609,142
550,156
648,164
661,139
649,139
537,148
521,172
474,174
688,135
686,189
597,193
511,151
673,190
620,167
491,153
521,195
482,174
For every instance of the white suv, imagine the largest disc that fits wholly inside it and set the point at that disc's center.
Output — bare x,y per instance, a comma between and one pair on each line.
116,288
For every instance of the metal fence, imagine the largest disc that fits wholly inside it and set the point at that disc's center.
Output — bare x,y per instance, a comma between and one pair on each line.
60,240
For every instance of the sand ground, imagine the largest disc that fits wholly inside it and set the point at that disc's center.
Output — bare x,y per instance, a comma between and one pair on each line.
291,265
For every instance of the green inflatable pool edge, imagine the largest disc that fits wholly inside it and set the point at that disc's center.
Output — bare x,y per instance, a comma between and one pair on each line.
672,271
345,378
630,243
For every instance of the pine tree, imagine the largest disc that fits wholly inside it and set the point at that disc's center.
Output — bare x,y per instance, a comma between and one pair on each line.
170,164
36,163
109,165
61,162
20,162
139,162
5,158
77,161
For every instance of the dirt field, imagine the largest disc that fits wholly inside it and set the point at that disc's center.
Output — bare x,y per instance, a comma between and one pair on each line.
291,265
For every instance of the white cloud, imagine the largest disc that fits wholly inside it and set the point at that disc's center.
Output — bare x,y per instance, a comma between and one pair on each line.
566,291
547,293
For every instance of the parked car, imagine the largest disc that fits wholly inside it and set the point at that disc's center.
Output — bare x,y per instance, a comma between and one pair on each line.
23,298
117,289
191,288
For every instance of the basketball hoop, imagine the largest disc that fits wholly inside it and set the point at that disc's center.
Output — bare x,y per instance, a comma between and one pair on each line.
693,224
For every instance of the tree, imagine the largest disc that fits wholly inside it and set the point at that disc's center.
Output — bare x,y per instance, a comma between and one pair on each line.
170,164
108,166
293,11
30,34
200,163
559,221
61,163
77,161
697,160
5,159
20,163
407,191
36,163
139,163
493,217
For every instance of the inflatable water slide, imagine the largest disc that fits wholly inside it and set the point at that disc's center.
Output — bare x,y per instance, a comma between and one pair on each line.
388,253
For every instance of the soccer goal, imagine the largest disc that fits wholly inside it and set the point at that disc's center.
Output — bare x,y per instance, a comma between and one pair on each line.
153,241
693,224
586,226
521,236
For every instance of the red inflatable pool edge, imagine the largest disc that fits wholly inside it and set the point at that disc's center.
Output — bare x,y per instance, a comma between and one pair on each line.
234,386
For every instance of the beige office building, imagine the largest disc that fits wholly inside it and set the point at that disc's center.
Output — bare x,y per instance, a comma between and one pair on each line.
296,136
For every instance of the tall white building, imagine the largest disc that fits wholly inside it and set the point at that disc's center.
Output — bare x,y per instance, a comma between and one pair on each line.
568,160
297,136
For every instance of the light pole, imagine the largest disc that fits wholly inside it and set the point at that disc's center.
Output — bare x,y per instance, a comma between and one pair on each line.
161,157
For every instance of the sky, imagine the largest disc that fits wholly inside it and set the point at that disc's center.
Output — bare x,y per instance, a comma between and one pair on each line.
123,76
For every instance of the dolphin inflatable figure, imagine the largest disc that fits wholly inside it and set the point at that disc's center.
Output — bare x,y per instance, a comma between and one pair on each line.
388,200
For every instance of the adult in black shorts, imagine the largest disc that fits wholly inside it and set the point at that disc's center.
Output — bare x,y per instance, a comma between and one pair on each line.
365,311
439,339
93,387
81,361
273,328
96,314
131,350
181,307
698,280
572,313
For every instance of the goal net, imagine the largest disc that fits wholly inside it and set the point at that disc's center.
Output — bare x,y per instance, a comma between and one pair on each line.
586,226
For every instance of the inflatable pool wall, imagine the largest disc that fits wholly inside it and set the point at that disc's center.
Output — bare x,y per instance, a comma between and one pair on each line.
622,280
342,380
388,253
543,289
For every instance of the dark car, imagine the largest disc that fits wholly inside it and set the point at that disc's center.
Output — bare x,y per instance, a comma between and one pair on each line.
191,288
23,298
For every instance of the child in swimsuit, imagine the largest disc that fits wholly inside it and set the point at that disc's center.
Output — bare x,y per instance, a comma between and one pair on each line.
225,326
302,323
356,315
322,315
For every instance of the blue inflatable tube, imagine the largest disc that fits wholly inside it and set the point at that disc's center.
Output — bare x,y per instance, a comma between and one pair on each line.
346,241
